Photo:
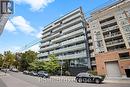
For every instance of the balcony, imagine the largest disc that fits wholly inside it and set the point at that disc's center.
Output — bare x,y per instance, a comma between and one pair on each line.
73,28
69,49
93,62
49,47
78,39
68,24
110,28
46,34
90,40
51,37
113,35
72,17
91,47
89,35
53,26
116,42
44,44
70,14
108,22
43,54
73,34
92,55
73,56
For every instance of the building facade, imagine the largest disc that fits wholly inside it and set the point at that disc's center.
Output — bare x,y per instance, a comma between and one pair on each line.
110,31
67,39
114,63
3,17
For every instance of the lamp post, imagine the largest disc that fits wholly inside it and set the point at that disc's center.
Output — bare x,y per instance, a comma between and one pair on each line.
61,72
61,64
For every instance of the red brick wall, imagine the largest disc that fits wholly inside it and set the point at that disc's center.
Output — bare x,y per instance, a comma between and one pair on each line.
124,64
110,56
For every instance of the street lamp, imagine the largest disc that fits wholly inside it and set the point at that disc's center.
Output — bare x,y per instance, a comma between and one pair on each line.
61,72
61,63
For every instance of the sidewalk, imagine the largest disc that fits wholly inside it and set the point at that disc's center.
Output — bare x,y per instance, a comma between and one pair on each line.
11,81
72,78
117,80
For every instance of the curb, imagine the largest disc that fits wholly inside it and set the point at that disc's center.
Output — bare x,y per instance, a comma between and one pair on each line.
117,81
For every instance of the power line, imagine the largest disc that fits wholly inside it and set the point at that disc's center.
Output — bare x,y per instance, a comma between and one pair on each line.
29,45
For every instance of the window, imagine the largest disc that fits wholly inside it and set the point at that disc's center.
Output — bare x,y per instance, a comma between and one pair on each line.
124,55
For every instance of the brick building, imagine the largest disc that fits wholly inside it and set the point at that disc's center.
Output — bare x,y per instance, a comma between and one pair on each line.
113,64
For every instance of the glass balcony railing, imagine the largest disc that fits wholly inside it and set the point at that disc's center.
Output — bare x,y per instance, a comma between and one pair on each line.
75,33
69,49
73,56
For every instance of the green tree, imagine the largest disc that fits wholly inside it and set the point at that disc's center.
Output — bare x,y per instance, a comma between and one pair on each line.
9,59
27,58
36,66
1,60
52,65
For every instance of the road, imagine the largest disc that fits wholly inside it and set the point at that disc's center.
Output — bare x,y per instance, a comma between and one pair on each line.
2,84
52,82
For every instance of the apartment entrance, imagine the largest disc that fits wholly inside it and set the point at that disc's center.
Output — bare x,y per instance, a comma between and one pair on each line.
112,68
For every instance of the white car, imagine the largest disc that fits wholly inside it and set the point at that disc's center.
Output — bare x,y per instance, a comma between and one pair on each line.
15,70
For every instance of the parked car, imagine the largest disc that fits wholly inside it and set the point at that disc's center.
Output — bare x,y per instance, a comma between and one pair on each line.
33,73
15,70
26,72
86,77
5,70
43,74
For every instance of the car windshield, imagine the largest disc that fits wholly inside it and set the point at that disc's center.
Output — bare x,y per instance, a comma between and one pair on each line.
42,72
84,74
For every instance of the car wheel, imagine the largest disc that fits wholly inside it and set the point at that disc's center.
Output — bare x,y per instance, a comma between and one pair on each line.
80,80
98,81
85,80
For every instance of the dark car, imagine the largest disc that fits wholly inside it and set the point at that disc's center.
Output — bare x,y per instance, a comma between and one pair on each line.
86,77
43,74
33,73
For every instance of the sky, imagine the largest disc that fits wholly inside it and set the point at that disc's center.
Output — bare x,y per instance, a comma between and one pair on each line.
30,16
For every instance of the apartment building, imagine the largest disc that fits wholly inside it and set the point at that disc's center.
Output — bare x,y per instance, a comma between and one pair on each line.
66,38
110,31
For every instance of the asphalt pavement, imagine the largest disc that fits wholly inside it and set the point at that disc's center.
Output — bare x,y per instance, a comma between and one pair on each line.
2,84
21,80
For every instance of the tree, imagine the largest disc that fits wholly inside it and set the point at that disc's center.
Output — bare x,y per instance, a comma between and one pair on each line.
9,59
1,60
27,58
52,65
36,65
